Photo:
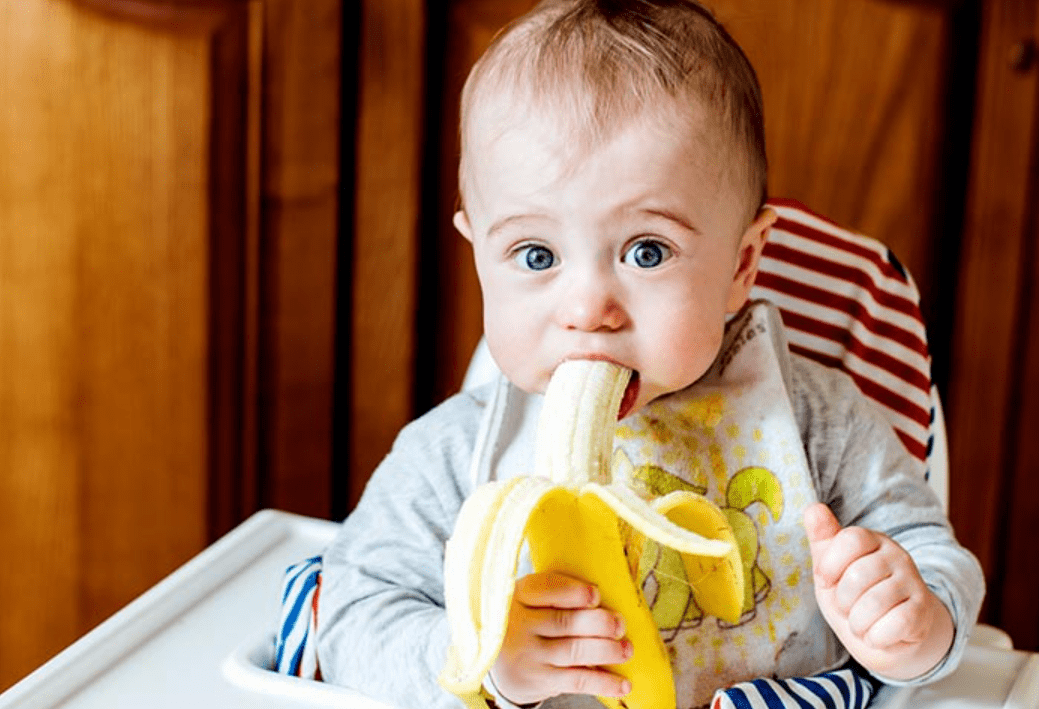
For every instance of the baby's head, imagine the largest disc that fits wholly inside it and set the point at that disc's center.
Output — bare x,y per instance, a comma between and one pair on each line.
612,176
588,67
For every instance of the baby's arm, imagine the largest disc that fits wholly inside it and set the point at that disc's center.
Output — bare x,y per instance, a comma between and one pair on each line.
382,627
871,593
868,479
556,638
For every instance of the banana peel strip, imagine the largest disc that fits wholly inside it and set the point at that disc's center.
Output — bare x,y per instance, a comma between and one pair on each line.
479,575
466,550
717,584
650,522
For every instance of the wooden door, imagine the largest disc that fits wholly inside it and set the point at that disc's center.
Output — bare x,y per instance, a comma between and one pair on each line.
168,232
123,295
992,413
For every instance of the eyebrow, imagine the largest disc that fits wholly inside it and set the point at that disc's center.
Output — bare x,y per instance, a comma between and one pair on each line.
661,213
505,221
672,217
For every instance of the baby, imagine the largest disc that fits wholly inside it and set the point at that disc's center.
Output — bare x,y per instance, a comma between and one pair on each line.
613,181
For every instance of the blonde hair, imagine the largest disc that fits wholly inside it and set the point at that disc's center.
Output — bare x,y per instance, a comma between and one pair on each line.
596,64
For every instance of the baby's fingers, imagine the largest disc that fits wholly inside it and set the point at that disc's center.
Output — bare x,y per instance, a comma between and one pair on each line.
849,546
869,581
585,652
872,606
562,623
590,680
554,590
901,625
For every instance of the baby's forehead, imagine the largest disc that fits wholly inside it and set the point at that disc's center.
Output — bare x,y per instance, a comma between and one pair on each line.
646,166
590,66
508,121
580,111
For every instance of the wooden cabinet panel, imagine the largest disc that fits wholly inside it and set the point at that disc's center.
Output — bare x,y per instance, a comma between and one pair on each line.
386,245
127,235
299,247
854,98
1012,603
991,408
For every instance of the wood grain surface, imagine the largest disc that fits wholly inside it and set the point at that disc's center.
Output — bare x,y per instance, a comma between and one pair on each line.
386,245
299,250
991,412
122,239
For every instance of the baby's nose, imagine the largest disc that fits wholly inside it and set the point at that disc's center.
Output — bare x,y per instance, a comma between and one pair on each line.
590,306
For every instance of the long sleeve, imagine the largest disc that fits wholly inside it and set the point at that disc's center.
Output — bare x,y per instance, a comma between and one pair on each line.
382,624
863,473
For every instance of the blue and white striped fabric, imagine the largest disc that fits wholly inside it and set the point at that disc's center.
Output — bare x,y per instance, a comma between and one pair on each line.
847,688
295,648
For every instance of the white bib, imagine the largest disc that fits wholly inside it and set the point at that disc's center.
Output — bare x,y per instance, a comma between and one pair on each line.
733,438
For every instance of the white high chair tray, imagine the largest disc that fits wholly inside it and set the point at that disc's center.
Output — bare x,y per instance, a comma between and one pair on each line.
192,640
202,638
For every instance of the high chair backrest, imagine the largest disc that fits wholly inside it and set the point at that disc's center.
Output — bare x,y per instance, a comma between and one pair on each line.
848,303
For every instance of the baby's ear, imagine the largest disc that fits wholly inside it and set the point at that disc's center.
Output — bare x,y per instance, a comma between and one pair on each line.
461,222
748,256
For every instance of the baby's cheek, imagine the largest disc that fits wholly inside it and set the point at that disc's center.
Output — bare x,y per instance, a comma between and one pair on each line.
689,349
513,349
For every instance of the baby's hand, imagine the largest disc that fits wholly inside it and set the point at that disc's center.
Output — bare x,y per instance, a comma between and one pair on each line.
556,638
871,594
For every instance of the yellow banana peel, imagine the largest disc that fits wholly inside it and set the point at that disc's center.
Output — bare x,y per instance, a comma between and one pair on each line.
579,521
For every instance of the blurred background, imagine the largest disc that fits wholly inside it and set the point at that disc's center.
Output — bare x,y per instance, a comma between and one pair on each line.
228,274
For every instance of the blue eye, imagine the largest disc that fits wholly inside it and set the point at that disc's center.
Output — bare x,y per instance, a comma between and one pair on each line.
536,258
647,254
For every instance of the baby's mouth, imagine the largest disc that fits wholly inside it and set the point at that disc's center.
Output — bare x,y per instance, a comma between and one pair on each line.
631,395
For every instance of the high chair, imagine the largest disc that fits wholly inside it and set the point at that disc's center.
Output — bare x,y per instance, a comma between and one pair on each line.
203,637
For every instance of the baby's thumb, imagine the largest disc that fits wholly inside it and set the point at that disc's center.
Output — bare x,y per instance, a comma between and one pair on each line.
821,526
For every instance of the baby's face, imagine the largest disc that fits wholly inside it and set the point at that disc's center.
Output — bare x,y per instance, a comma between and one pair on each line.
634,254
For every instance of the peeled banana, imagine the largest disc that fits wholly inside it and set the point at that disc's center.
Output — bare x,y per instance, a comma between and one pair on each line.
579,521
